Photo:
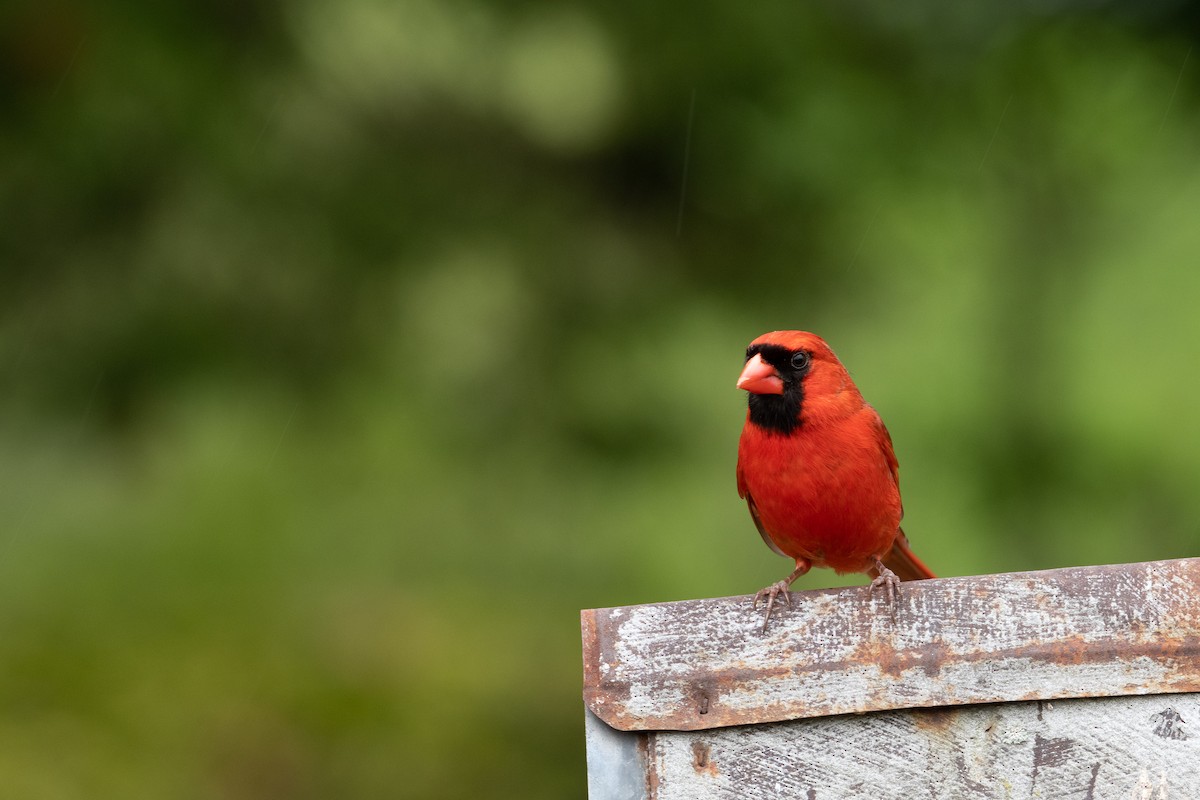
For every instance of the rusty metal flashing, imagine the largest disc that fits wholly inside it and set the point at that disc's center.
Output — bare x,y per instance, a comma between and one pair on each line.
1126,629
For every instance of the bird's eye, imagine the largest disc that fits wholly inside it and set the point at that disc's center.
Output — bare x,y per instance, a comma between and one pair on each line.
801,360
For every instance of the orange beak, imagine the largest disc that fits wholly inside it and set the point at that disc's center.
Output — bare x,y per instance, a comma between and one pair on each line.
760,377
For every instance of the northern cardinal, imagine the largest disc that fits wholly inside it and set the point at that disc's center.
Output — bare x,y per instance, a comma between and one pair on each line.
816,467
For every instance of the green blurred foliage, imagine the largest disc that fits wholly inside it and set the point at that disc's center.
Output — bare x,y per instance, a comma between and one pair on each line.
348,350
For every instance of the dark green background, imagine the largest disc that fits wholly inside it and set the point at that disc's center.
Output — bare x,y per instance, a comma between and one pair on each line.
348,349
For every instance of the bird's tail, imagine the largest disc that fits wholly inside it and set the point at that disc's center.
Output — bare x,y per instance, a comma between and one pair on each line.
902,561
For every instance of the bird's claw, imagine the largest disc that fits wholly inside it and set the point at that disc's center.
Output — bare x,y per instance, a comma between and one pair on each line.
770,593
888,580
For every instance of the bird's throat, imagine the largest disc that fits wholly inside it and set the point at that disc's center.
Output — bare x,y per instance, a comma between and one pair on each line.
777,413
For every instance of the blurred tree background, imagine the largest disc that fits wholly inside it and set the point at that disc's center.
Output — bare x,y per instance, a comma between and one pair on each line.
349,349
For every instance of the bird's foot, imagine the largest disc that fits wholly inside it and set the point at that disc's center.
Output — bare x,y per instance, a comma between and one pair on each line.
888,580
770,593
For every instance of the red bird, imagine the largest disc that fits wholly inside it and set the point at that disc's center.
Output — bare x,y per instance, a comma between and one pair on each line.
816,467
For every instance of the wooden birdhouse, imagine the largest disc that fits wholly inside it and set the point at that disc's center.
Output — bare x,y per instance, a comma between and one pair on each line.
1069,683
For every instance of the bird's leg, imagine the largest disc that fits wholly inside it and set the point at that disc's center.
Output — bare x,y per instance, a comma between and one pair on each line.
803,565
887,579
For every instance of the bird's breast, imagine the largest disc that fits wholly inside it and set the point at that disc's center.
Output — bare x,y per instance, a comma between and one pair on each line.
823,493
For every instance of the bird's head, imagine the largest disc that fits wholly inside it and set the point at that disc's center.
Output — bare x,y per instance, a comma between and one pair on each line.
793,377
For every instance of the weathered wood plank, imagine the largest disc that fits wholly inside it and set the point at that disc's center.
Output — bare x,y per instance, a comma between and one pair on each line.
1079,632
1131,748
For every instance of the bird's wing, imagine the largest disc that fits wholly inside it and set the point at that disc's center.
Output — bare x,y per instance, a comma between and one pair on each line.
743,489
766,537
885,444
884,439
